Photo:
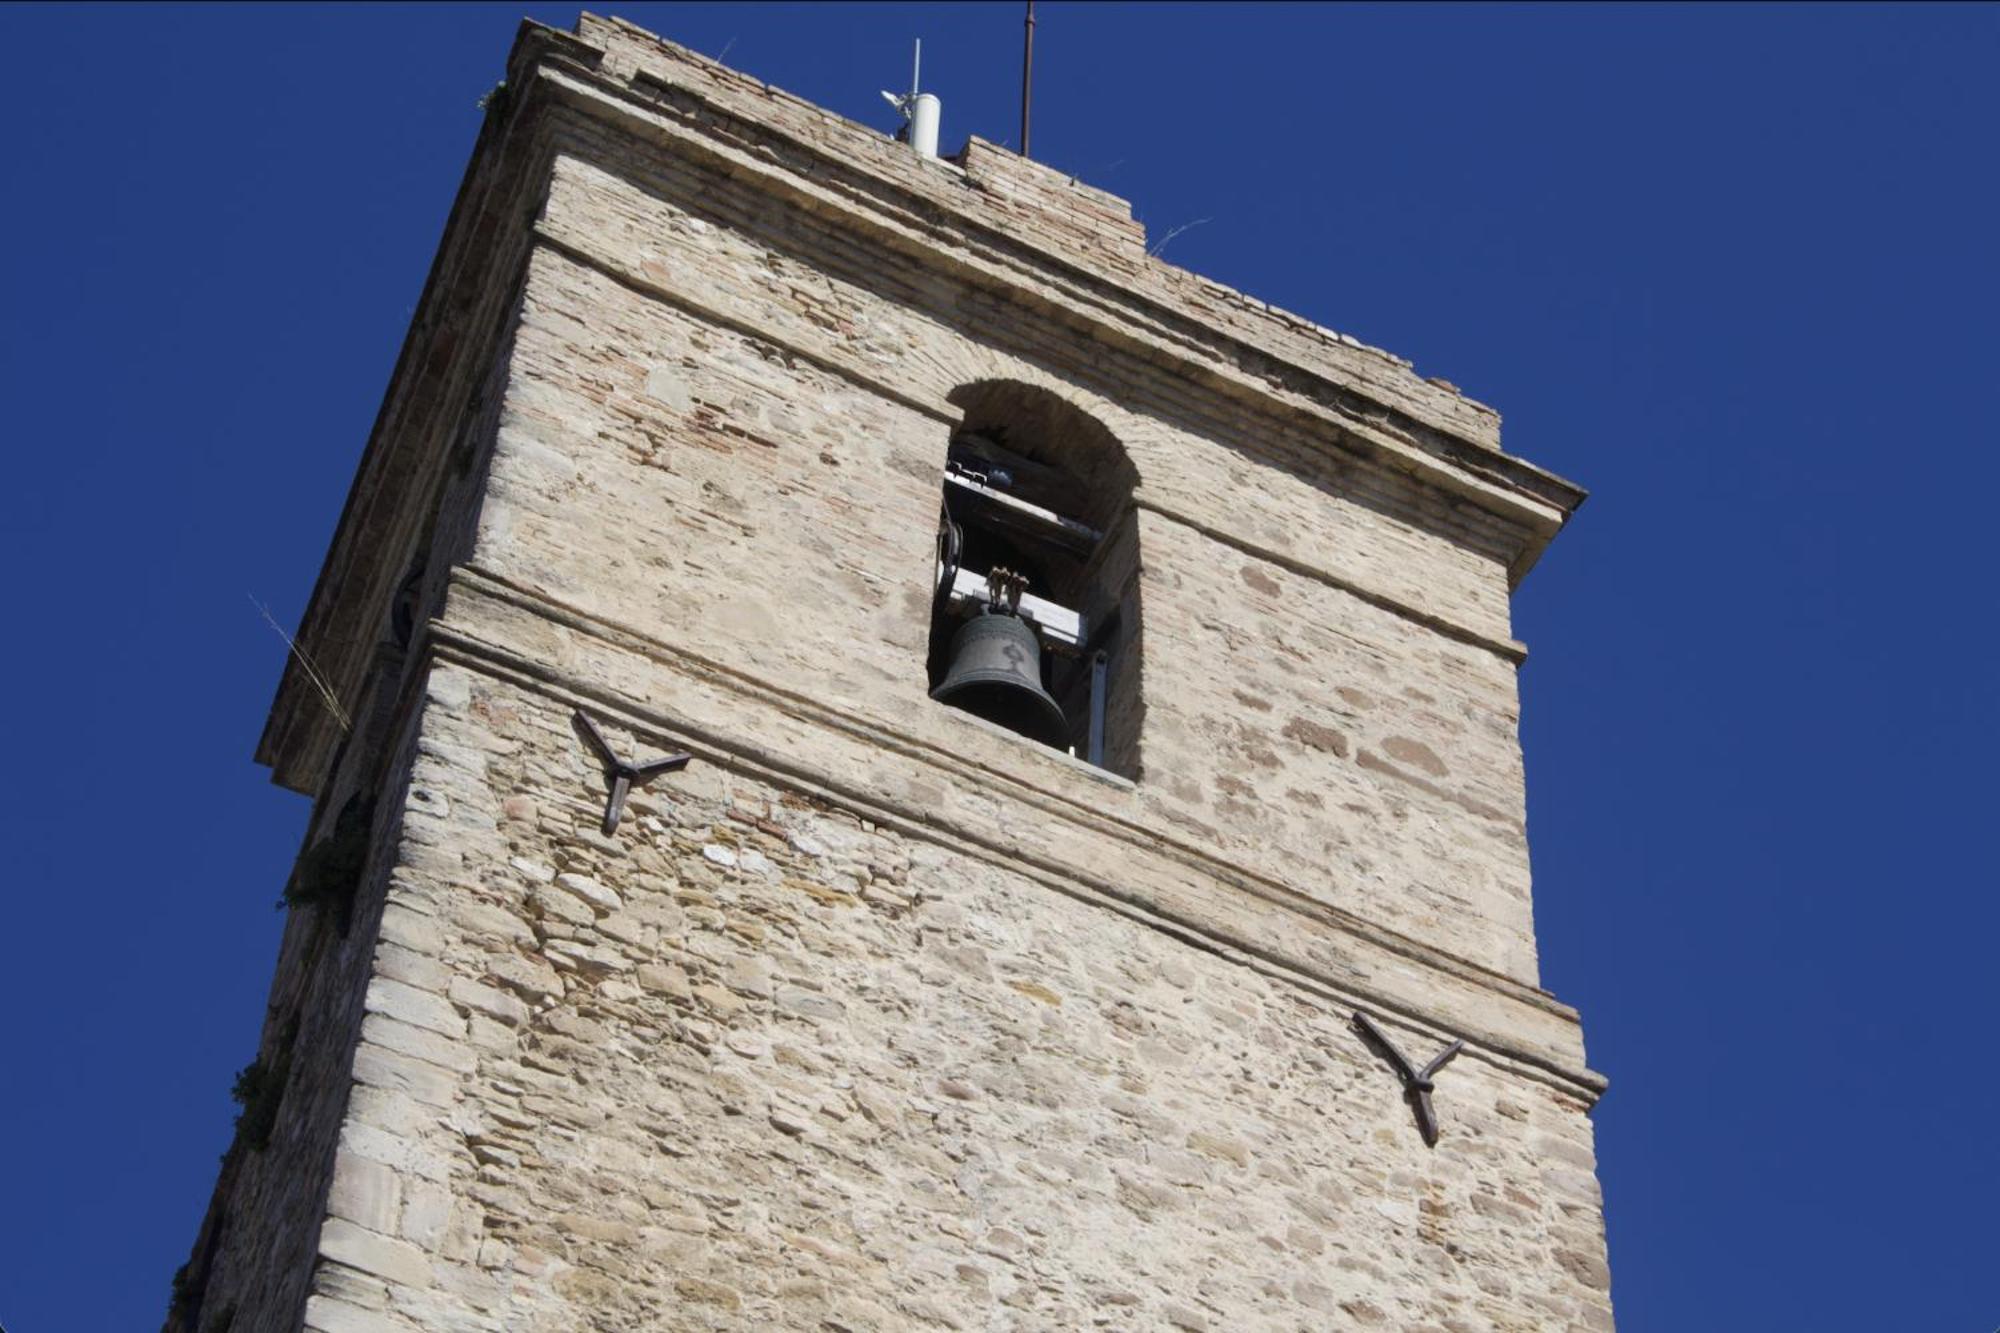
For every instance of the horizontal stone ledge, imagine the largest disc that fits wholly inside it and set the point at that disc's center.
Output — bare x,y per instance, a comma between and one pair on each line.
1520,502
1513,650
1044,779
948,415
778,120
1208,903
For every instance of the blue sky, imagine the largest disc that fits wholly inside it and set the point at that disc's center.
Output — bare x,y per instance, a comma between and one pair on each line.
1733,268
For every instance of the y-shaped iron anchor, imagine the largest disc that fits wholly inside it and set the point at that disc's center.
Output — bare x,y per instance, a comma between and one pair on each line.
1417,1085
623,776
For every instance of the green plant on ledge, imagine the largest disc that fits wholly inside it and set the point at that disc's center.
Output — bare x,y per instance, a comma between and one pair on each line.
182,1304
260,1089
329,872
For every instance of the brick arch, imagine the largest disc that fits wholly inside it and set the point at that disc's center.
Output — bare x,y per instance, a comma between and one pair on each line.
947,374
1050,427
1081,439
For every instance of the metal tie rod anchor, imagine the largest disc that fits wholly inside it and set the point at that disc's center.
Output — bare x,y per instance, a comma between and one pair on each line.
623,776
1417,1085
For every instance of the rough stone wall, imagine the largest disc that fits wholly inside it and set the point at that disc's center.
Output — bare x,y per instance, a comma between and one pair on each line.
819,292
704,486
1008,237
759,1061
878,1016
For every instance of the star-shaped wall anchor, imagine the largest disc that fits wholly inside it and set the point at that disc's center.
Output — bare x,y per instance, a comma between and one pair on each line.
1417,1085
622,776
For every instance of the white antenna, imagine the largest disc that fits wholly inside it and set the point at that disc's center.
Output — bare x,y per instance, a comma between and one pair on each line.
921,111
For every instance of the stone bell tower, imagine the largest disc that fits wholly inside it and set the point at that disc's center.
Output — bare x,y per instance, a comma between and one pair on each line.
884,760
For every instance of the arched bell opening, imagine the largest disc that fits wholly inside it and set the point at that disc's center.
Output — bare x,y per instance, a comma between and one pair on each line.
1034,622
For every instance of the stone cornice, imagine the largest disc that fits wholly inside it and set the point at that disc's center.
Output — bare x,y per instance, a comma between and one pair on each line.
1487,486
842,168
445,356
678,699
1050,212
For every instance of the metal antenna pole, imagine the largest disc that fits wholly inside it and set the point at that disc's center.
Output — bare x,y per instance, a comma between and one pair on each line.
1027,75
916,69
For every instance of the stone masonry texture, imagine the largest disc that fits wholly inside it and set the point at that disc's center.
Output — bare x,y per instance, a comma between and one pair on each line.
876,1016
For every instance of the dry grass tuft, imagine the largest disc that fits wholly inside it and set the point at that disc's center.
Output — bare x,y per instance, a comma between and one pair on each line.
326,693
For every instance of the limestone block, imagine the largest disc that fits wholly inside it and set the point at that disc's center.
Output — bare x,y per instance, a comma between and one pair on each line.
324,1314
392,1260
421,1009
489,1000
365,1193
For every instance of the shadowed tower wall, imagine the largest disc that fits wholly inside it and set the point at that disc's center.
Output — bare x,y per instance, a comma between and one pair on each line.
877,1015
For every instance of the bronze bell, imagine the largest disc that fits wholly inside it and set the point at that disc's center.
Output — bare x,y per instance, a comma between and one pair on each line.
996,673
